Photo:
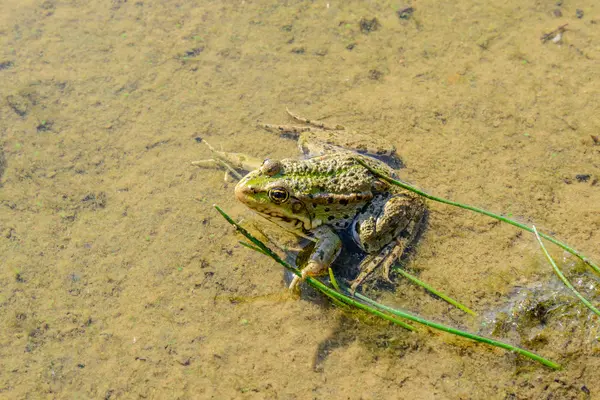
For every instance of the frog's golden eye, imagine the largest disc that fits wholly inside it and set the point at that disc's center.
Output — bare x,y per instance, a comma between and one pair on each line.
270,167
279,195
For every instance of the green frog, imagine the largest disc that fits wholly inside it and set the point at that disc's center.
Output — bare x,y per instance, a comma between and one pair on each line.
328,192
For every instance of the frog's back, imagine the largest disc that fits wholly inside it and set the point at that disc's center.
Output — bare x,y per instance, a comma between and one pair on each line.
338,172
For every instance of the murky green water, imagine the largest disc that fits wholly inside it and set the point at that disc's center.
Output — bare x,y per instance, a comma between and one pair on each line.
119,280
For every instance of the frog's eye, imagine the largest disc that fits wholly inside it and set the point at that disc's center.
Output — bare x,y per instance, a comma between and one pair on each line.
279,195
270,167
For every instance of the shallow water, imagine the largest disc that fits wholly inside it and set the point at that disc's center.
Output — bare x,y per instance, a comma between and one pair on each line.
118,278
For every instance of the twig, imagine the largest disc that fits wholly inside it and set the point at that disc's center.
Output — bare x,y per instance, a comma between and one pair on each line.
551,35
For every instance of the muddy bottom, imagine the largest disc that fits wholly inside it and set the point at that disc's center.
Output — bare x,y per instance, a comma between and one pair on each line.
119,279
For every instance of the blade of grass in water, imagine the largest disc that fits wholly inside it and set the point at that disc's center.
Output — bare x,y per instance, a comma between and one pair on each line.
378,309
562,277
458,332
406,186
252,247
441,295
333,281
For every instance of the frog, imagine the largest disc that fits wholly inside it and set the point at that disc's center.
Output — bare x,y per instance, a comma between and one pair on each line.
327,192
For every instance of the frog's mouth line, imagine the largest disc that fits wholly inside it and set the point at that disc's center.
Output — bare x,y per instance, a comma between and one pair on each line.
291,216
287,221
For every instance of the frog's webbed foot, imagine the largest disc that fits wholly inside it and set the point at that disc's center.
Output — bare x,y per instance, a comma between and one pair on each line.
382,261
286,131
294,131
232,163
311,269
317,124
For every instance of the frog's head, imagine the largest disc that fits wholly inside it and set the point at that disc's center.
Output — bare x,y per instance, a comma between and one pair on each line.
270,193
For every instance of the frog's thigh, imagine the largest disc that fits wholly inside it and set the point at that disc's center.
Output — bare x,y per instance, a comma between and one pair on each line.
386,234
325,252
384,220
382,260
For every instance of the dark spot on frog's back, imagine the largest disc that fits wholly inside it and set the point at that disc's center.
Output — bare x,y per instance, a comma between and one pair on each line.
344,202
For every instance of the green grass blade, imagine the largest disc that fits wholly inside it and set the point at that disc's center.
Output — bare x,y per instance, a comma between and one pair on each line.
378,309
562,277
429,288
333,281
252,247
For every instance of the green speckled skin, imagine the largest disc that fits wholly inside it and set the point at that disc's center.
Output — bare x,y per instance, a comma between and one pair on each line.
332,192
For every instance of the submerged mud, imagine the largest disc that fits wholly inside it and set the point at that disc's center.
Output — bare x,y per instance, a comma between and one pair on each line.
119,280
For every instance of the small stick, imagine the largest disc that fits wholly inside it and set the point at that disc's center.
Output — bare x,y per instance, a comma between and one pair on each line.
551,35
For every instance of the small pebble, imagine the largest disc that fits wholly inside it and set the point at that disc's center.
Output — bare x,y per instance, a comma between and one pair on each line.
582,177
557,13
405,13
369,25
579,13
375,74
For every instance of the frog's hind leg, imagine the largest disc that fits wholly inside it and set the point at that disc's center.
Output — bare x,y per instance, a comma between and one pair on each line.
295,131
232,163
399,224
381,261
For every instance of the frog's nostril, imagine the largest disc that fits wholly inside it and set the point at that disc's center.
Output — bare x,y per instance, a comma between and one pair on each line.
242,191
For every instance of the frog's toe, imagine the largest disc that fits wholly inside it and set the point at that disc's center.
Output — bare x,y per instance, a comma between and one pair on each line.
367,266
312,269
295,285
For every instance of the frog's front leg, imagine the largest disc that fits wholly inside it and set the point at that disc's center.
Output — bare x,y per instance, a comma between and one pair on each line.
326,250
384,230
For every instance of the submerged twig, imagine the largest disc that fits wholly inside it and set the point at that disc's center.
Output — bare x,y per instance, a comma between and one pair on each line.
557,33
